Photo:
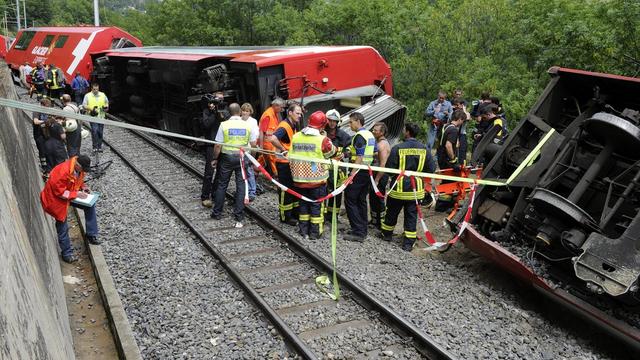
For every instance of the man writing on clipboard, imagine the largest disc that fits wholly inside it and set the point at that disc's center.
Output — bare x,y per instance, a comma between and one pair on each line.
66,184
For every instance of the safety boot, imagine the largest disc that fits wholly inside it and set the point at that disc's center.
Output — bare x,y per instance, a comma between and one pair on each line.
407,244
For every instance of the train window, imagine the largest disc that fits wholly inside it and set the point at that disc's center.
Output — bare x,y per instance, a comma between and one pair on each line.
62,39
25,40
119,43
47,40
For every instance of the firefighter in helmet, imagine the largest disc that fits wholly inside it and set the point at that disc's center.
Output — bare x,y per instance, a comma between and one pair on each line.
309,177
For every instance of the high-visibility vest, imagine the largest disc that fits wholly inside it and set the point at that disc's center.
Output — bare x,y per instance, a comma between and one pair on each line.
287,127
308,146
273,119
401,191
99,100
235,132
368,150
55,81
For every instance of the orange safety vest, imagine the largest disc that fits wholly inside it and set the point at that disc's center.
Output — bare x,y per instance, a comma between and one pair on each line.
285,125
273,120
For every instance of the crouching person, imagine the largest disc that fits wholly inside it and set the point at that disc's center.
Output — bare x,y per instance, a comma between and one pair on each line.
66,182
309,177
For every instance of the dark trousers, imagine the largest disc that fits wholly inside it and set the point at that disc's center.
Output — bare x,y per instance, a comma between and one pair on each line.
40,141
78,95
410,216
55,93
55,153
62,229
462,150
208,174
311,215
355,201
287,203
376,204
227,165
74,141
40,90
336,199
97,133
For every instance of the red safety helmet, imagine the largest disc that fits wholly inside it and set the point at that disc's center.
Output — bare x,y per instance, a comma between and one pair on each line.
318,120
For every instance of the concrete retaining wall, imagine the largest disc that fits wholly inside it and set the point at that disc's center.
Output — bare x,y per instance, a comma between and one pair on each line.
34,323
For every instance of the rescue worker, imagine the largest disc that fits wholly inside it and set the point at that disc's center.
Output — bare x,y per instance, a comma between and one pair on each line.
268,123
211,119
362,148
488,120
38,80
448,149
66,182
234,131
408,155
376,204
55,82
71,127
281,141
340,140
310,178
459,104
96,104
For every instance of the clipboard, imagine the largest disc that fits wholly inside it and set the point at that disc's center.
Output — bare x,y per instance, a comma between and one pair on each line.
89,201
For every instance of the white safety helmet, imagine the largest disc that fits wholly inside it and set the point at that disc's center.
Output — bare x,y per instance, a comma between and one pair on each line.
70,125
333,115
84,133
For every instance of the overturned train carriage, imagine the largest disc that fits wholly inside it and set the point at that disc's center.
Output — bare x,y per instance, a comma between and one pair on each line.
569,222
164,86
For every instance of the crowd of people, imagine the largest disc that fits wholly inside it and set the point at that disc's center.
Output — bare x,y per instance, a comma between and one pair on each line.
58,140
287,153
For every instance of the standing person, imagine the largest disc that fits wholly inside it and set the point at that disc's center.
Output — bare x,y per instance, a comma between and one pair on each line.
310,178
55,82
408,155
437,114
66,182
96,104
80,87
362,148
376,204
448,149
281,141
269,121
458,104
246,110
39,123
39,78
55,147
234,131
72,127
25,75
211,119
340,140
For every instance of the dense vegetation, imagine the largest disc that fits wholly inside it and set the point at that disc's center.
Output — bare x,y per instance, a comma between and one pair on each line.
503,46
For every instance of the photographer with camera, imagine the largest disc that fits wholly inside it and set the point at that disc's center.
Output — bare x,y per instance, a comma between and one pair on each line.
215,113
96,104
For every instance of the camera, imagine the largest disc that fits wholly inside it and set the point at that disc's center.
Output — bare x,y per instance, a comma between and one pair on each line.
94,111
212,99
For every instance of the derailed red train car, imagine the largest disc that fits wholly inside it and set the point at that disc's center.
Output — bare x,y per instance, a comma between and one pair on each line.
164,86
569,223
5,43
68,47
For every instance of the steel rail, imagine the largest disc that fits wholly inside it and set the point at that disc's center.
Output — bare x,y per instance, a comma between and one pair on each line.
425,345
290,336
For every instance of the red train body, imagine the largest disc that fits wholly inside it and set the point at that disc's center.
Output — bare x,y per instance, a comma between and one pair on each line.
69,48
164,86
5,43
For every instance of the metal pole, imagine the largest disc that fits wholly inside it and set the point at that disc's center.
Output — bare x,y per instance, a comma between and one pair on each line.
96,13
24,12
18,13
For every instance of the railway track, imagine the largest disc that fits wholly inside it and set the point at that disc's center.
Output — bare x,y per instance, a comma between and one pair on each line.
277,272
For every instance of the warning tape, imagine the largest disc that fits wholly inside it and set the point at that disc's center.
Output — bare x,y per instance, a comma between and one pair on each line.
90,119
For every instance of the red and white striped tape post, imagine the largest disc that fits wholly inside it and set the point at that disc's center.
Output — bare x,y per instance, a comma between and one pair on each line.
427,234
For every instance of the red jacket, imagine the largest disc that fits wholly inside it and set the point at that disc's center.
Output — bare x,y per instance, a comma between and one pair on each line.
62,187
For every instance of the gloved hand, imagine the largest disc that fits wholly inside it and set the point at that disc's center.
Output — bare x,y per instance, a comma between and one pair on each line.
456,168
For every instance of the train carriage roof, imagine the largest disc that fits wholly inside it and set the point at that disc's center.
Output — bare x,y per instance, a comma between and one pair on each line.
260,55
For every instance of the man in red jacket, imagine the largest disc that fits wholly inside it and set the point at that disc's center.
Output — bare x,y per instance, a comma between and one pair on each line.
65,184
